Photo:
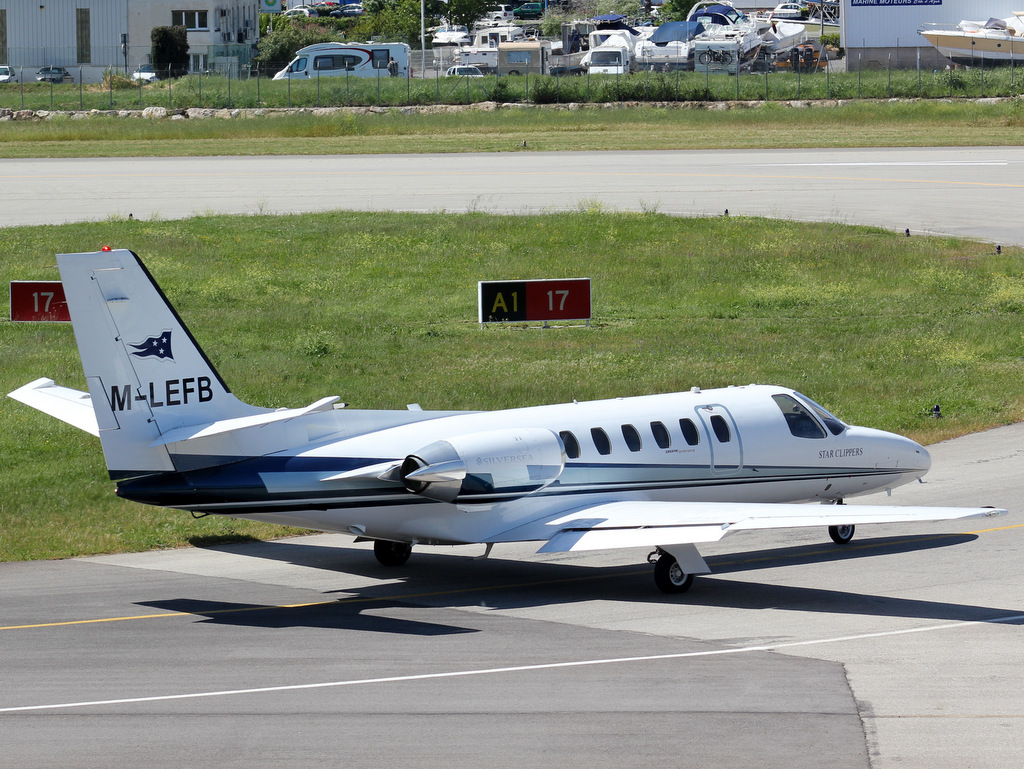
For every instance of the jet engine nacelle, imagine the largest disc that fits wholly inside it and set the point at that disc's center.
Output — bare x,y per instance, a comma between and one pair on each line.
479,467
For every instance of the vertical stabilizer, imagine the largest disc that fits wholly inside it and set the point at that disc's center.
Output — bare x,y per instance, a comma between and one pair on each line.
145,371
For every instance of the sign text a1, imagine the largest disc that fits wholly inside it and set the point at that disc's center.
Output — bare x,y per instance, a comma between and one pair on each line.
512,301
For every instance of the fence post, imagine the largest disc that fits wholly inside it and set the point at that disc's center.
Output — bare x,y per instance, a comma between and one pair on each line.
229,86
169,87
81,89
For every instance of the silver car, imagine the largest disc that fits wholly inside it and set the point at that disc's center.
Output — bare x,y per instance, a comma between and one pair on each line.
7,75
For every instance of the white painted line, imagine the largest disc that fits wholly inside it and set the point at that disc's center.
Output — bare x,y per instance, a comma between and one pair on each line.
514,669
884,163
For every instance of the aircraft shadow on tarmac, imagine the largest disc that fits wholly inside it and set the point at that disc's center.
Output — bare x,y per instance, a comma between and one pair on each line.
453,581
330,615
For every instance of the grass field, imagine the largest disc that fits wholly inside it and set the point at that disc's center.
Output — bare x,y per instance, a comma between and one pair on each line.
772,125
380,310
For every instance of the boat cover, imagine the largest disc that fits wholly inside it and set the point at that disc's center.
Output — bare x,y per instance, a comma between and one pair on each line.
676,31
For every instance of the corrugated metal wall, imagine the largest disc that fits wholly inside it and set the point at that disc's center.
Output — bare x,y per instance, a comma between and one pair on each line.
41,32
891,23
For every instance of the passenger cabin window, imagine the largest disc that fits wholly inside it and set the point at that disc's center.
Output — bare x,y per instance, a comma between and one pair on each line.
380,58
798,417
690,434
632,437
721,428
661,436
601,441
572,446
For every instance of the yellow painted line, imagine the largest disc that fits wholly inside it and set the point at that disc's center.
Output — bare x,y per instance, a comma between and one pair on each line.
998,528
339,602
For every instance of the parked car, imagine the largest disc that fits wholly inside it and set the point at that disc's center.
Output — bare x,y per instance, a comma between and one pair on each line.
529,11
146,73
300,10
463,70
7,75
53,75
499,13
352,9
790,11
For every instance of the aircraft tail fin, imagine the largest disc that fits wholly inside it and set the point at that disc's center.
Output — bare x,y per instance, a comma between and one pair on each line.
147,375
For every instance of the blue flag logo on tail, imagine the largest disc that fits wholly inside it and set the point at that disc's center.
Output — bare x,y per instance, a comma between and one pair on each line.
154,347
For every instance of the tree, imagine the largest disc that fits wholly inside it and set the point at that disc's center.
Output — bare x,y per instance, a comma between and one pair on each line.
465,12
675,10
279,47
170,50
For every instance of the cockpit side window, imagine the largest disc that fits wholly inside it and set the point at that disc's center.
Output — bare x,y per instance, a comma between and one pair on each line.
835,425
798,417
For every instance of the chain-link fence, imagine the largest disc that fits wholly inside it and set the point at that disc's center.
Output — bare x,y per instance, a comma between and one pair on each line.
226,82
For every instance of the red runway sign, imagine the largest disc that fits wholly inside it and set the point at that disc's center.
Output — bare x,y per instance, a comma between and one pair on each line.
38,300
508,301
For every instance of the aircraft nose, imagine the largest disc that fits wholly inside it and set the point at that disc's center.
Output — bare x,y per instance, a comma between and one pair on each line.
895,451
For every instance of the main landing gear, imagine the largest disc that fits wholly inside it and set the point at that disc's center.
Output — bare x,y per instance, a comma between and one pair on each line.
668,574
391,553
841,534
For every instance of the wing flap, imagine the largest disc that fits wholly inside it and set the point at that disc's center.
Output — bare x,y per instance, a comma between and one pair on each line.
64,403
652,524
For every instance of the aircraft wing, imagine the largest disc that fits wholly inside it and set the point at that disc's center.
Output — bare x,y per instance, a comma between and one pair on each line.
653,524
71,406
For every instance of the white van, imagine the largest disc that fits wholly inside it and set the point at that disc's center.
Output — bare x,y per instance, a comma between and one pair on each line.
347,60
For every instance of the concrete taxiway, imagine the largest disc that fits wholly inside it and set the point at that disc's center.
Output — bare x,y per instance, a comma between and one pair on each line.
898,650
970,191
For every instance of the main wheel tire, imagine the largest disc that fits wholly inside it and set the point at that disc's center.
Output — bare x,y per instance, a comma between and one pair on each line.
669,575
391,553
841,534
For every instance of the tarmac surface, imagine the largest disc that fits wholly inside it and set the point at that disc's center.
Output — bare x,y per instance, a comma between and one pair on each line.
898,650
970,191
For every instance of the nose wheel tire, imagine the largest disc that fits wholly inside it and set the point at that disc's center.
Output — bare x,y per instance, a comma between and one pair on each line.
391,553
669,575
841,534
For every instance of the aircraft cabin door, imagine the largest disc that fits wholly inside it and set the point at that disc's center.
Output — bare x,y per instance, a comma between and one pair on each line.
723,439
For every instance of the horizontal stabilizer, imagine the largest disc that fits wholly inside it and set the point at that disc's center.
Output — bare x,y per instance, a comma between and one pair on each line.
220,427
71,406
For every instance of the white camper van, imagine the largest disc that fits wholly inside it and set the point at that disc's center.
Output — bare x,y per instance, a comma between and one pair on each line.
347,60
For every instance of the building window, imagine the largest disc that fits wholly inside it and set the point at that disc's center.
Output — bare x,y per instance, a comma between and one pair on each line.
3,35
83,36
191,20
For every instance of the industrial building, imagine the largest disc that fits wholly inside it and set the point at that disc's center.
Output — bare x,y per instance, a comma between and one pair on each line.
879,34
89,37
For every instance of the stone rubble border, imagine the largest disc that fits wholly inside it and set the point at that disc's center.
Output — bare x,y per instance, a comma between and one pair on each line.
203,113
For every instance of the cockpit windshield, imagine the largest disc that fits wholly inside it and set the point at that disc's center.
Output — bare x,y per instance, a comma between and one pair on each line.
835,425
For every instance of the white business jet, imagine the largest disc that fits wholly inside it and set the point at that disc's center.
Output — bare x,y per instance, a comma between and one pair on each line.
659,471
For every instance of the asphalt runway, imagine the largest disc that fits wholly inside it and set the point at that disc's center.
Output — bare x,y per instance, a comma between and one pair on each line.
898,650
969,191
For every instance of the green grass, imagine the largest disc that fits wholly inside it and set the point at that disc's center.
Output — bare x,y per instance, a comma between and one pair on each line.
380,309
772,125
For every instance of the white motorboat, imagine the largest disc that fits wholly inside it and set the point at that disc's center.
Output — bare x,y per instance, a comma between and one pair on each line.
451,34
970,41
